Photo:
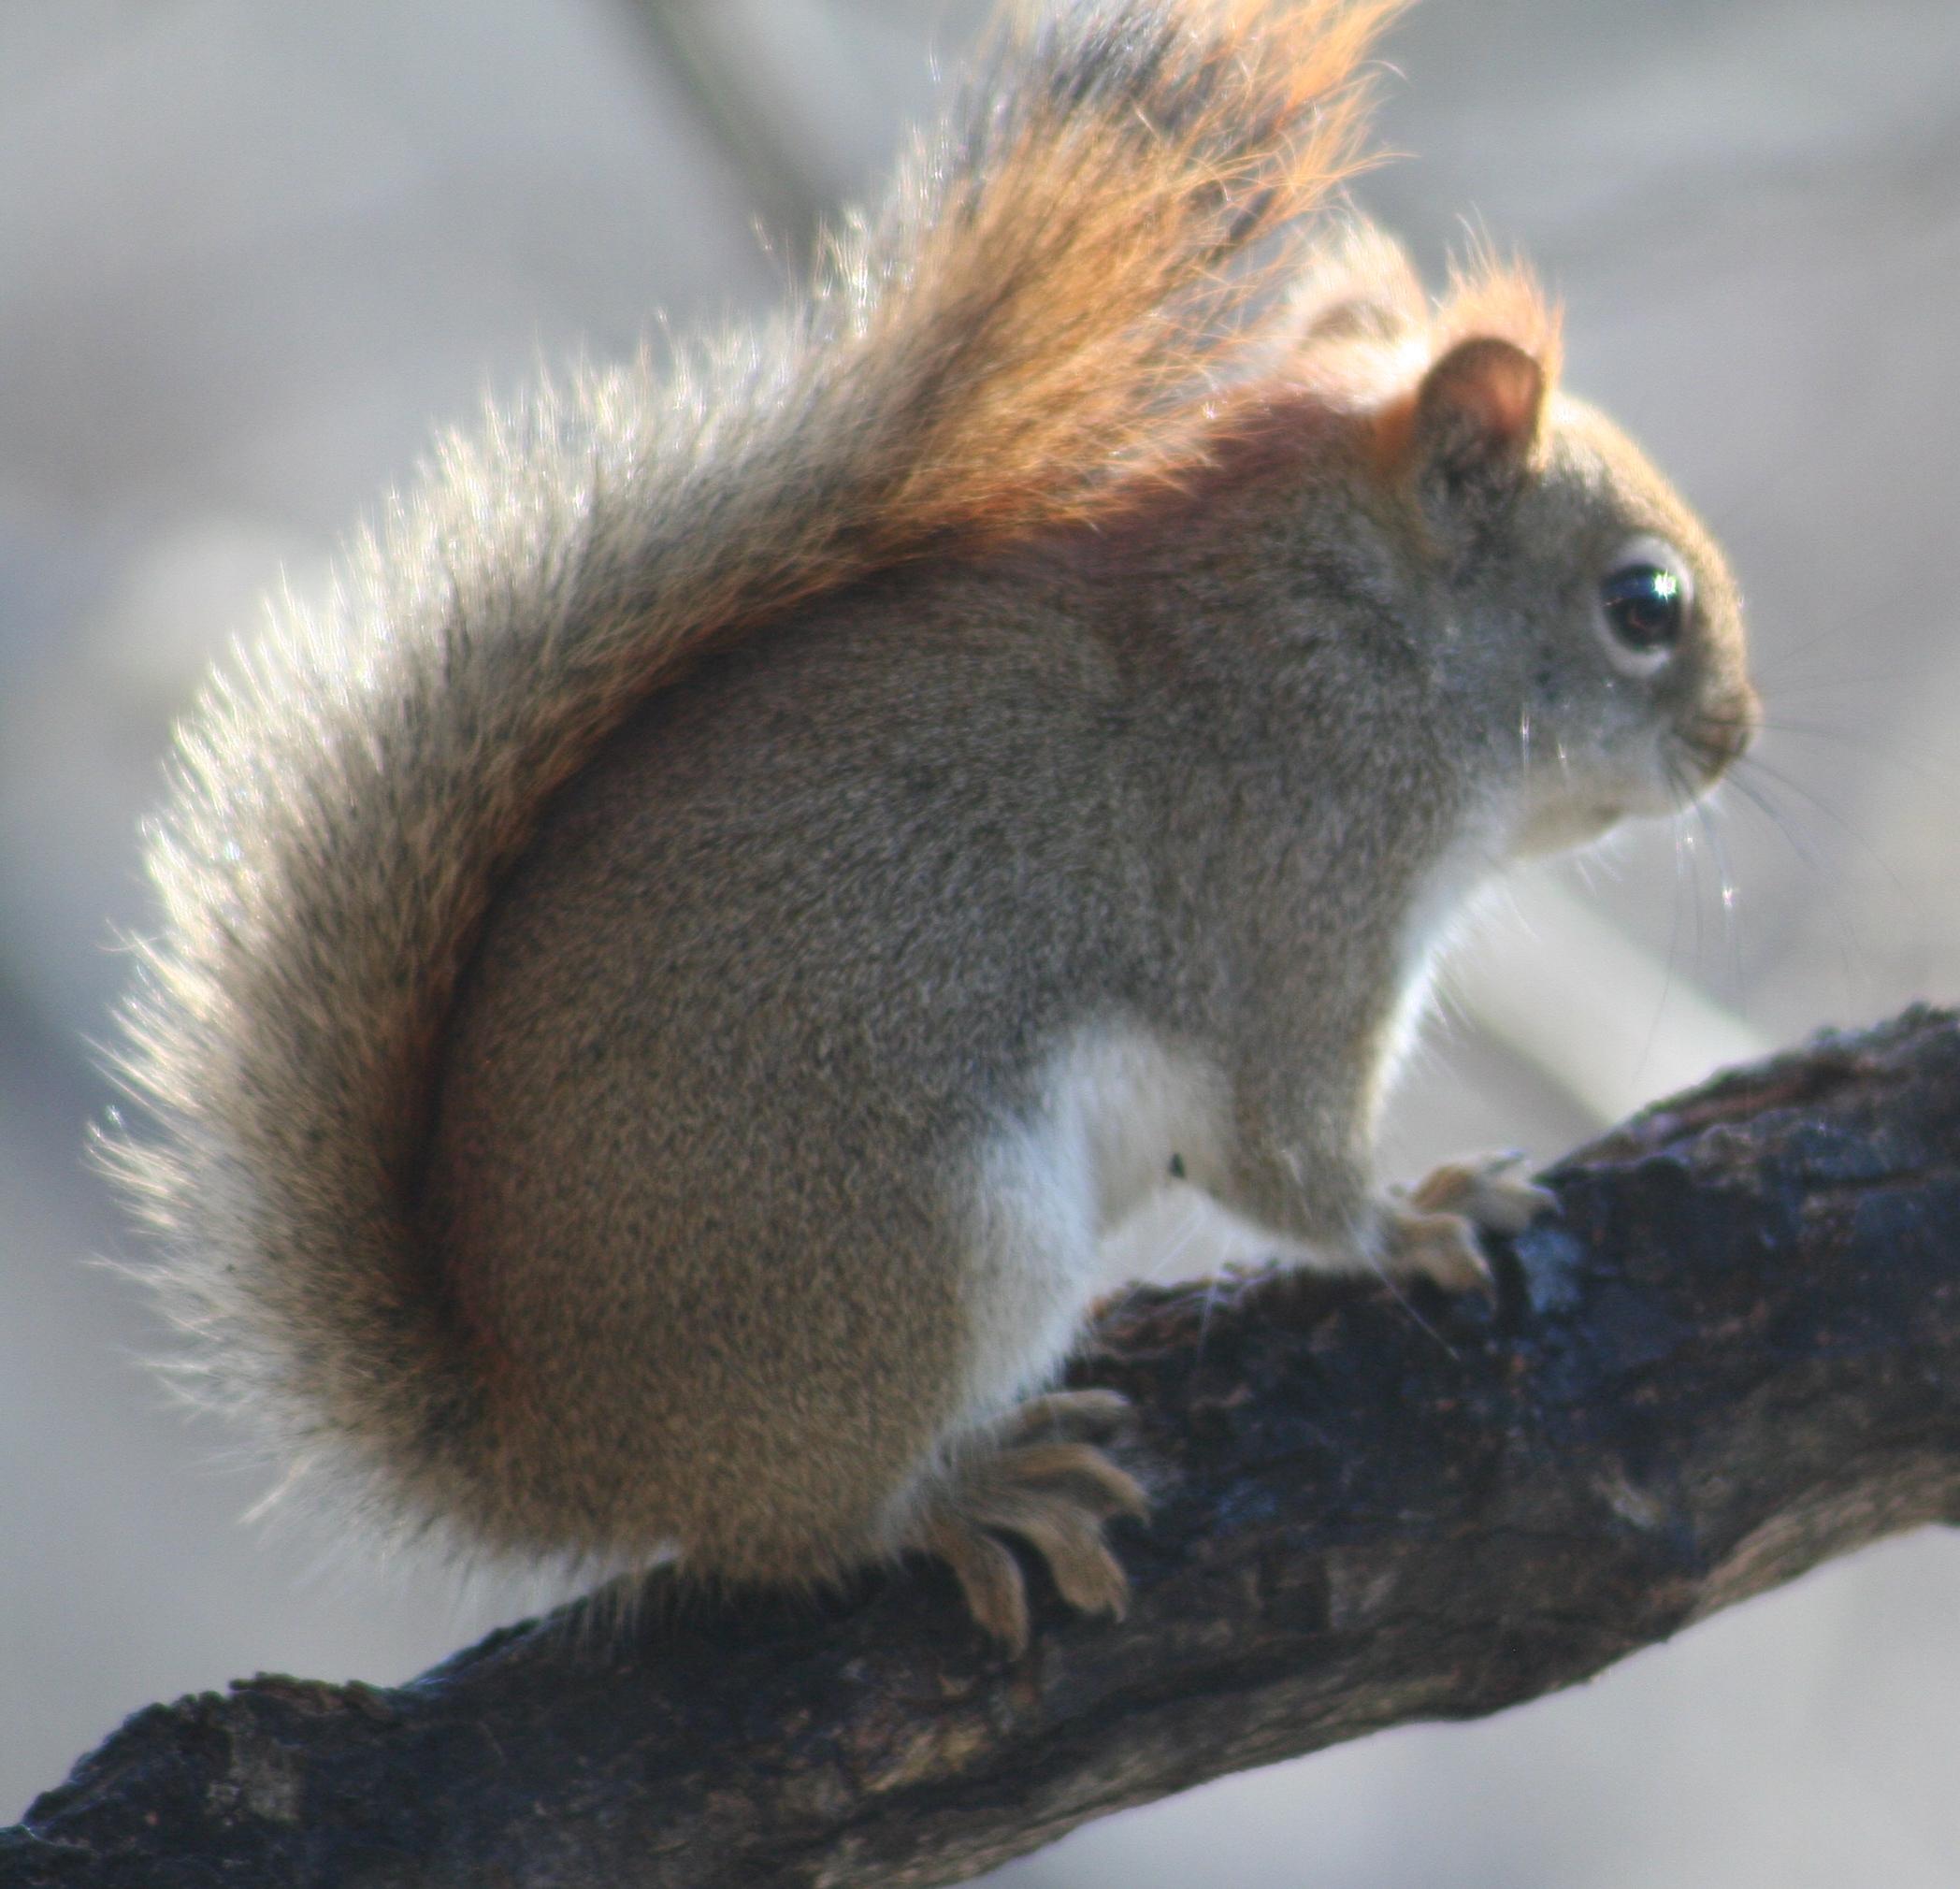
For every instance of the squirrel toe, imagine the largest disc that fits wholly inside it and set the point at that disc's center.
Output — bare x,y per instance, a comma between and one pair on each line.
1048,1488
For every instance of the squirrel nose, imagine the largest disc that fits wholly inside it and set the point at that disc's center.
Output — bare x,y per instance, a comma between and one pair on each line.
1720,735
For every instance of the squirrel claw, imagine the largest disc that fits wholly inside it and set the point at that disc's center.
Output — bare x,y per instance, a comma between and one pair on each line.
989,1576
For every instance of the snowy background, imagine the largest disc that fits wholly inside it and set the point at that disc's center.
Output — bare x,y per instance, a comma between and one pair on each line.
252,253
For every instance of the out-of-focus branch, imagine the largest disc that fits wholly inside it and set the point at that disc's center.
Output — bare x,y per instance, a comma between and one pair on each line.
1736,1352
1603,1020
790,199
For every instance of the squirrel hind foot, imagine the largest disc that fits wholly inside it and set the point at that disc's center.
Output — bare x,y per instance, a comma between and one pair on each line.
1042,1479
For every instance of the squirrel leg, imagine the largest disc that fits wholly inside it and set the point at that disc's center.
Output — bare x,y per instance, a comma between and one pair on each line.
1431,1229
1041,1477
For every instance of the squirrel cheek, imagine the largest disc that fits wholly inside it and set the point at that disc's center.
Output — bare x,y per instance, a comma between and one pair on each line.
1559,814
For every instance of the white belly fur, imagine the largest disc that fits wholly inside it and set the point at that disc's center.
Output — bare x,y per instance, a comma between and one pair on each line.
1120,1113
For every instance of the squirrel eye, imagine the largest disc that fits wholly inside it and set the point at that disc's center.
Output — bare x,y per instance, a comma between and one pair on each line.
1644,602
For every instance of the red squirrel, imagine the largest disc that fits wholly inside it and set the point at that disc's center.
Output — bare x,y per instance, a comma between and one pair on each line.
667,978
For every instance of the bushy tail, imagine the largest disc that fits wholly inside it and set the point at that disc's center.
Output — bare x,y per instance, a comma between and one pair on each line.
1069,281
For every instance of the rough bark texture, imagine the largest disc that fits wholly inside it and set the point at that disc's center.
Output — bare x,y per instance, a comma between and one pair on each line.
1737,1352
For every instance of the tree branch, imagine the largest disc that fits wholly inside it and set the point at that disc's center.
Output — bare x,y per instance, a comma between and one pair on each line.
1736,1353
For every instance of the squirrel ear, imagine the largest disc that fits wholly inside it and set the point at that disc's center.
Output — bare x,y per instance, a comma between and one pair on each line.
1475,417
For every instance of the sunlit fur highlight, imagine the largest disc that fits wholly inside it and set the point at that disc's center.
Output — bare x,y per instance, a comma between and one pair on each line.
1367,329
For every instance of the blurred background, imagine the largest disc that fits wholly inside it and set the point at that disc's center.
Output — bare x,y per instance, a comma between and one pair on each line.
252,253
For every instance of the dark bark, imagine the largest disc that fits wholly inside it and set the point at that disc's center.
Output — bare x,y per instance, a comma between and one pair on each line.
1737,1352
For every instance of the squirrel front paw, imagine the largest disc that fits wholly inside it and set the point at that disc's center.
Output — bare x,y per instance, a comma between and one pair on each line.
1041,1477
1431,1230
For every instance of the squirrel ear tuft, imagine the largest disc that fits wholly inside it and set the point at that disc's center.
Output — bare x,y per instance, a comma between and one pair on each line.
1475,417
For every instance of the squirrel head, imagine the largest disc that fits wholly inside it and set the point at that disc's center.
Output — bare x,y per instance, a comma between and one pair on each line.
1405,495
1596,628
1581,629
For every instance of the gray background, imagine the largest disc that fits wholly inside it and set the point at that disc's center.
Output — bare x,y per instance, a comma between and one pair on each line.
252,252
